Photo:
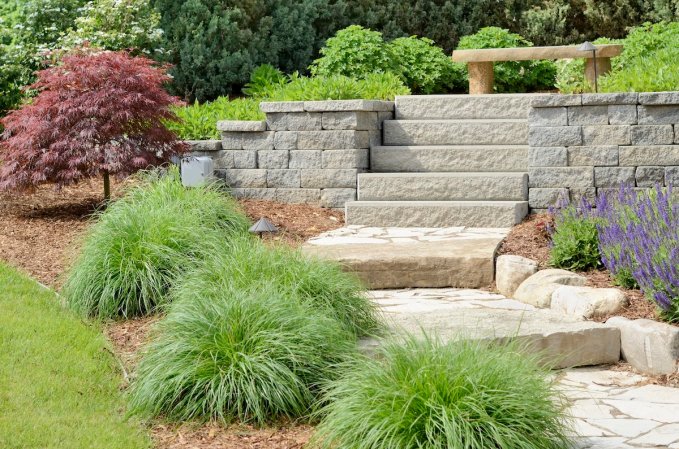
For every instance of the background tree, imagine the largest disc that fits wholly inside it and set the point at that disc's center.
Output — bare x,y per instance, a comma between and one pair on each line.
96,114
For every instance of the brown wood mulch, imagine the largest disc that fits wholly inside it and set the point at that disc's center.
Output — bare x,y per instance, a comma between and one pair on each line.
530,239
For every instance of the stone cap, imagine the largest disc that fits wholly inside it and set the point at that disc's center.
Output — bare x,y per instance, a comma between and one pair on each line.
659,98
554,100
327,106
241,125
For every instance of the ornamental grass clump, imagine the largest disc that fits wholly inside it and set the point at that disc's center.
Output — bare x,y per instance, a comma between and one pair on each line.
421,393
574,237
639,238
139,245
255,355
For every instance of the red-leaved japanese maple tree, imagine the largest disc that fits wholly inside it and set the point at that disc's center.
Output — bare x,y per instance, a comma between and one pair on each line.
96,113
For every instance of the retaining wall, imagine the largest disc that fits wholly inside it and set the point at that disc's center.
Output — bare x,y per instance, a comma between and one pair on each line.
304,152
583,144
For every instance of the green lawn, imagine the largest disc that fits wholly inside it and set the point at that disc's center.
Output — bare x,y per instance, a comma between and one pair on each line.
59,387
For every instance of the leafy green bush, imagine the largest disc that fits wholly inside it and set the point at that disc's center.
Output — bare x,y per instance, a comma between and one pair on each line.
424,66
425,394
140,244
657,72
263,80
570,73
199,121
511,76
575,240
354,52
256,355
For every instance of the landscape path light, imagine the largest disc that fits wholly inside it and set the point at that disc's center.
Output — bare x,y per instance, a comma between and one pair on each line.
588,46
263,225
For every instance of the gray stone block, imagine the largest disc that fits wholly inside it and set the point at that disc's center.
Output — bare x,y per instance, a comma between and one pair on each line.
541,198
332,140
255,194
613,176
335,198
204,145
294,121
560,177
551,100
652,134
658,115
547,157
326,178
244,159
272,159
577,193
554,136
283,178
285,140
298,196
281,106
606,135
602,155
676,133
375,138
358,120
588,115
348,105
232,140
382,116
241,125
649,346
622,114
635,156
653,98
455,132
223,160
305,159
356,158
258,140
672,176
556,116
237,178
650,176
612,98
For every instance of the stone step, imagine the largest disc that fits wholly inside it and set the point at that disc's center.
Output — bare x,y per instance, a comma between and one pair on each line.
490,214
449,158
451,314
412,257
494,106
455,132
443,186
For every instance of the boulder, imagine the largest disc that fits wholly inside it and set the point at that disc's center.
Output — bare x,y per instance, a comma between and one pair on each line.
537,290
587,302
649,346
511,271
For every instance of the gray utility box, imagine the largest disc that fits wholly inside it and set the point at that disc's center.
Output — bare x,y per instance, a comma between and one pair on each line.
196,171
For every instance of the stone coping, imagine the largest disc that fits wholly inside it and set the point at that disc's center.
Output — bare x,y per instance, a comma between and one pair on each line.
618,98
327,106
241,125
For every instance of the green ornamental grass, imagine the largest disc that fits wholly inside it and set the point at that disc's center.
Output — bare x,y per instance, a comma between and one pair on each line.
256,355
421,393
140,244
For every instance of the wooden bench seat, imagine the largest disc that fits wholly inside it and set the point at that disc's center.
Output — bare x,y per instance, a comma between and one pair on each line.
480,61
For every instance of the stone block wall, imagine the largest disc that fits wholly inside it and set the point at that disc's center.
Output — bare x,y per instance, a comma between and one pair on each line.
582,144
304,152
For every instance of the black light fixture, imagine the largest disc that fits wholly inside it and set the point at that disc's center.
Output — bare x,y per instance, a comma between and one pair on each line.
263,225
588,46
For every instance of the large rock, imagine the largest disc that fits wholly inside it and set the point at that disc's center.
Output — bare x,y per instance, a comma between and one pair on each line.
537,290
649,346
587,302
511,271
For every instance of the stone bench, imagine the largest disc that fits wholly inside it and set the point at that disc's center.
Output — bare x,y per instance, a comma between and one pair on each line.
480,62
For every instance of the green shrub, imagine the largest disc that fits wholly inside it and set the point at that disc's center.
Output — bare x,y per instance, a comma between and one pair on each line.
511,76
263,79
425,394
199,121
575,239
140,244
322,285
425,67
570,73
253,355
354,52
657,72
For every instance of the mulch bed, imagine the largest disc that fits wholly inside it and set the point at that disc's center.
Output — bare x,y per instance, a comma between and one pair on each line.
530,239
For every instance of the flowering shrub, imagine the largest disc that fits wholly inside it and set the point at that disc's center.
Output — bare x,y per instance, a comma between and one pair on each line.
639,239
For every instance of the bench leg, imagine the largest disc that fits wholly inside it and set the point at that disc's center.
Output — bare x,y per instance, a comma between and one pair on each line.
603,65
481,78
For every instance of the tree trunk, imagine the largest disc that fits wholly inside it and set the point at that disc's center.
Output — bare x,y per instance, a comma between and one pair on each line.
107,187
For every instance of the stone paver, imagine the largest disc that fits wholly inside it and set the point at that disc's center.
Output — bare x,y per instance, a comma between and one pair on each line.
609,409
356,234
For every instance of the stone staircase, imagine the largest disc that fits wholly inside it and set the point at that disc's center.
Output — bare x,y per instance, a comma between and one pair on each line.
448,160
